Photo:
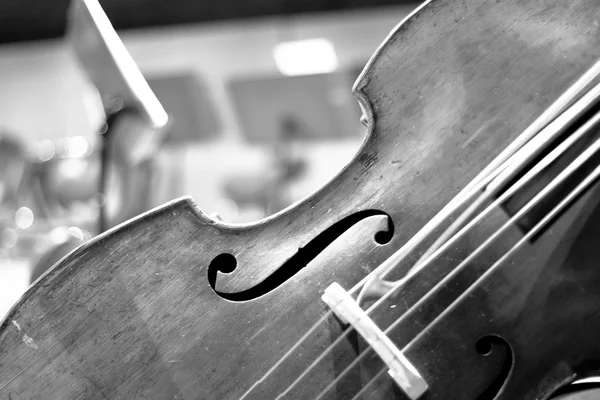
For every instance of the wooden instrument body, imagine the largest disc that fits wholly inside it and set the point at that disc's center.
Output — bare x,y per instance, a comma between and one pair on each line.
134,314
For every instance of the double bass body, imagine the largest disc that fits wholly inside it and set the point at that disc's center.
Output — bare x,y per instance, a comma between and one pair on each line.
177,305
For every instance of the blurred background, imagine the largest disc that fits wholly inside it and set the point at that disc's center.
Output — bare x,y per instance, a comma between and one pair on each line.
258,94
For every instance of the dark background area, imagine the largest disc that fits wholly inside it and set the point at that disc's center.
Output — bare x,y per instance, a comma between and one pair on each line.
22,20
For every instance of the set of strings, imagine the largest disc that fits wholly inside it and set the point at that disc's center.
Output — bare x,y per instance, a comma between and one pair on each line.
581,187
564,175
562,205
551,124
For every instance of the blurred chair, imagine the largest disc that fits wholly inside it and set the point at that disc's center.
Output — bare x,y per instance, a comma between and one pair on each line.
267,189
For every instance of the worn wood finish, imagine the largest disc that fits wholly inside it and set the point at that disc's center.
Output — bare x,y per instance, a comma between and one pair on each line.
133,314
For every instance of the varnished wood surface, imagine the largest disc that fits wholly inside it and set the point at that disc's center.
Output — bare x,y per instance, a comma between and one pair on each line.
133,315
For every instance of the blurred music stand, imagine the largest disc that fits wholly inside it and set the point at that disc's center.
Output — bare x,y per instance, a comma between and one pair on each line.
188,101
322,104
119,82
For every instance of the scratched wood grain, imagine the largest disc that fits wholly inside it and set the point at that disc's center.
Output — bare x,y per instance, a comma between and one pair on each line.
133,314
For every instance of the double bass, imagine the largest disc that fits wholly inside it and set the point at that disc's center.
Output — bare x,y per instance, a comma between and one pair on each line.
455,257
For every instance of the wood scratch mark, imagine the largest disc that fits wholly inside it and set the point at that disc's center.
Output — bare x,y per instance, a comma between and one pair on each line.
15,323
29,342
595,314
448,258
94,384
41,354
137,390
477,133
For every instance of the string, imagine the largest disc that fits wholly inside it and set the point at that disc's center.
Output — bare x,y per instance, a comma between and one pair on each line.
517,158
363,390
583,185
552,156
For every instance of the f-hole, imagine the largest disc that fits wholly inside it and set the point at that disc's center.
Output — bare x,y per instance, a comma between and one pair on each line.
227,263
487,345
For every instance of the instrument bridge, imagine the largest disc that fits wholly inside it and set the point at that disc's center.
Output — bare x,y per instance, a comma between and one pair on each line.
401,370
